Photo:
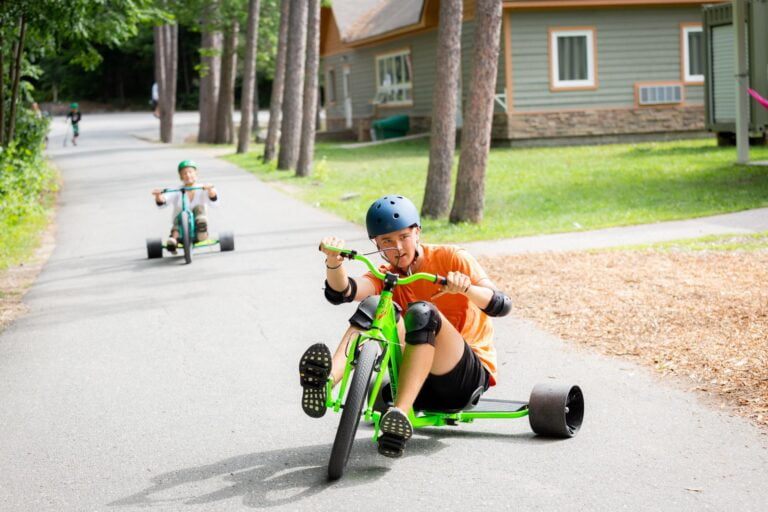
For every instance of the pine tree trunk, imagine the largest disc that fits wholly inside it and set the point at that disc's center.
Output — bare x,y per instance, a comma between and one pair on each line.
2,90
476,133
249,78
309,118
168,97
224,123
255,124
209,84
276,102
442,143
160,69
293,99
16,80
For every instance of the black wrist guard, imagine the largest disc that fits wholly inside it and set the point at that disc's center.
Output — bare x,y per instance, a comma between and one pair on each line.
336,298
500,305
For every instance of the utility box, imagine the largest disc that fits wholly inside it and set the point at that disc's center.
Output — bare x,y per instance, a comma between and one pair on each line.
720,67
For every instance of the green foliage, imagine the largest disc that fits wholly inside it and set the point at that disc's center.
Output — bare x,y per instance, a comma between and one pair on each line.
544,190
26,187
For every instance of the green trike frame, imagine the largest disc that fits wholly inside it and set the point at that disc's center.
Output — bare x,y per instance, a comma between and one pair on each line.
185,221
554,409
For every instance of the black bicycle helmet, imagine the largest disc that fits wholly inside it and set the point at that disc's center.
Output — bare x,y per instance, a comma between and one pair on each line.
391,213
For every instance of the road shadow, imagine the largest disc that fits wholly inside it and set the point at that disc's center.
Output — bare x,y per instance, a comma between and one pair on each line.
271,478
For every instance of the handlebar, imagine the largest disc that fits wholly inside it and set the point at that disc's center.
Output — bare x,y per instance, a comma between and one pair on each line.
181,189
354,255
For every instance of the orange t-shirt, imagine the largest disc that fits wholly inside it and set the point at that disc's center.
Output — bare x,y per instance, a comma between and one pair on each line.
474,325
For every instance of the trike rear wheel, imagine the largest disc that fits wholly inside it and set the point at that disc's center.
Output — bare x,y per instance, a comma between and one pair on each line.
556,410
350,416
227,241
154,248
186,236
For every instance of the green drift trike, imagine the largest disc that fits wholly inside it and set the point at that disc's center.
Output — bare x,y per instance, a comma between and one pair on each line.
186,226
554,409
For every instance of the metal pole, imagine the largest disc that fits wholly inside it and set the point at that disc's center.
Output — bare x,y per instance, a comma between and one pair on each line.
742,105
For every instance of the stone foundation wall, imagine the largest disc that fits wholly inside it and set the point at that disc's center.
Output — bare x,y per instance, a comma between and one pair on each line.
586,123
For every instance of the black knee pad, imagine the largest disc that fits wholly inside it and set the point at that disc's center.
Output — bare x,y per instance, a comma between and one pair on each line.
422,323
363,316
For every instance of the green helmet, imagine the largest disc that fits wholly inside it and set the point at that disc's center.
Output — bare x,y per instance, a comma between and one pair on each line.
187,163
74,105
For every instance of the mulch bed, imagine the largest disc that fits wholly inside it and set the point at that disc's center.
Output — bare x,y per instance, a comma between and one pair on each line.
702,316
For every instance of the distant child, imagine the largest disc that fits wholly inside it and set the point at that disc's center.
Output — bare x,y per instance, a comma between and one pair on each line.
74,117
198,203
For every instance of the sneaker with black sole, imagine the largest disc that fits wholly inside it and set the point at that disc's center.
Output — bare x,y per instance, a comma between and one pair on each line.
314,369
396,429
171,245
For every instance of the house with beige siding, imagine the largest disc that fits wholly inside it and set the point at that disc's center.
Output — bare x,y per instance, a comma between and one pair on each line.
569,70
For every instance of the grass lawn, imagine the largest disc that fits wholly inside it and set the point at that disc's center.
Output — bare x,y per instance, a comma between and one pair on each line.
539,190
731,242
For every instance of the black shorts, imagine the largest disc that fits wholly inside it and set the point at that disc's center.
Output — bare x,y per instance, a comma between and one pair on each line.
453,390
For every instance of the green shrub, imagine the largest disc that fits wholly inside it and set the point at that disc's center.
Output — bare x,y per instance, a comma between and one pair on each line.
27,184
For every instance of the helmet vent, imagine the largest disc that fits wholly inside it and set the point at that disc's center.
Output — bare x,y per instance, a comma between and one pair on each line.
397,215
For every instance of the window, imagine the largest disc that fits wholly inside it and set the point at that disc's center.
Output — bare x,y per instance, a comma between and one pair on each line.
572,58
693,53
331,87
393,78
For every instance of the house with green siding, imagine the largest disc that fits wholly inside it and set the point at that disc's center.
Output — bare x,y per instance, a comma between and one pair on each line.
569,70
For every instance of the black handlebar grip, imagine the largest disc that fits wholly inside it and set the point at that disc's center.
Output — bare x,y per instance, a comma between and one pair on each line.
442,280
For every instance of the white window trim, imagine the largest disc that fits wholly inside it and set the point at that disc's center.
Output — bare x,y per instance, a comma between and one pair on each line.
687,77
554,61
405,85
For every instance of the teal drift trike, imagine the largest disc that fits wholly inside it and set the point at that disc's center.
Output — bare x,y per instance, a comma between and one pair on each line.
375,356
186,226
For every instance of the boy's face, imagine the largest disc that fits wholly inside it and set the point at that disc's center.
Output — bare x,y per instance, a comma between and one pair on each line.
188,175
399,247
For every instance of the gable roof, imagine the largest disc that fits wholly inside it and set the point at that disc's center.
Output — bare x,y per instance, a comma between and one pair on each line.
364,19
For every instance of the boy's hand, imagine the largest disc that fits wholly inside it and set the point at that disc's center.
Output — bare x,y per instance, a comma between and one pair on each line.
457,283
211,190
158,193
332,258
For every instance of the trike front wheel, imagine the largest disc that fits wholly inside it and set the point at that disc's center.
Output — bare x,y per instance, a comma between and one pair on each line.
350,416
186,236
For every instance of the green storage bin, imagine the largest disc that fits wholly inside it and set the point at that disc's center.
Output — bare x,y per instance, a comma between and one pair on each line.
391,127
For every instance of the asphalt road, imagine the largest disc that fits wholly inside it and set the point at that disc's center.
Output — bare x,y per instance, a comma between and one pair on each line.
137,384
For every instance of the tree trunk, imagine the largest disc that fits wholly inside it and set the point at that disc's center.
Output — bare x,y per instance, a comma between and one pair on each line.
293,99
225,130
2,90
16,80
249,78
166,57
276,102
210,62
256,125
309,117
476,133
159,41
442,143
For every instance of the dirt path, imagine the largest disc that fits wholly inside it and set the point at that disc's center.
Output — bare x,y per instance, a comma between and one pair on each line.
702,316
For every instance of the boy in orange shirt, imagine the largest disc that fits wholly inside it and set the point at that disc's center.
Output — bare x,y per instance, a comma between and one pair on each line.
448,336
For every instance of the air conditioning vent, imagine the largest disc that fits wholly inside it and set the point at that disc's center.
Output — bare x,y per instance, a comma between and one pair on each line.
650,94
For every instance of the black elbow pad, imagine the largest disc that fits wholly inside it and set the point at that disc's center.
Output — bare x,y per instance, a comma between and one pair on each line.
336,298
500,305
